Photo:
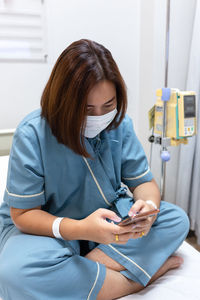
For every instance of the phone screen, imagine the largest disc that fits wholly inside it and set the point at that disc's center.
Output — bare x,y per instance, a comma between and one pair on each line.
139,217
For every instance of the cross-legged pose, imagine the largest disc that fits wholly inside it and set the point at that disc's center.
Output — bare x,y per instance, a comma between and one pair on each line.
71,164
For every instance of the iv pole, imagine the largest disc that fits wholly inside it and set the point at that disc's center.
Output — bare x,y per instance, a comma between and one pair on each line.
164,151
164,141
165,94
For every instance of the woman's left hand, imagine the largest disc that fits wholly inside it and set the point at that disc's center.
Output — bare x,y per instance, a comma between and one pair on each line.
142,227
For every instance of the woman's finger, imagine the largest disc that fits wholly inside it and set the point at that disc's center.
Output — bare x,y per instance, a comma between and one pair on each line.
116,229
108,214
141,223
136,208
122,238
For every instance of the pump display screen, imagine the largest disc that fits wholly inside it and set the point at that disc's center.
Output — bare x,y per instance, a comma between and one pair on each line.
189,106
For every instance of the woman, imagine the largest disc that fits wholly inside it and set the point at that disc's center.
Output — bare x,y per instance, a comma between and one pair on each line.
63,199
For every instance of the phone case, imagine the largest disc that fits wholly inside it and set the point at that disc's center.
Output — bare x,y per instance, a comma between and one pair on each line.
140,217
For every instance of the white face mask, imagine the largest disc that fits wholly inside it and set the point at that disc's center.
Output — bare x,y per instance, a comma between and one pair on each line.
95,124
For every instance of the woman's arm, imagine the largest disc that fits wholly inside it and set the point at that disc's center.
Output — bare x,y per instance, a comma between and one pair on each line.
147,191
39,222
93,228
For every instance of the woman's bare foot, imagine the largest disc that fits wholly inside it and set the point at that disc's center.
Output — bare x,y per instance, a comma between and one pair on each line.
116,285
172,262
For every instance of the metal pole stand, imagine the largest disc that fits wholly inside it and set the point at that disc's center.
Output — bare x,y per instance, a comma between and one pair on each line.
165,155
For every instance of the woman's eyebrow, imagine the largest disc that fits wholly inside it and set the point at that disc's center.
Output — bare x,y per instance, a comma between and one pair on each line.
89,105
110,100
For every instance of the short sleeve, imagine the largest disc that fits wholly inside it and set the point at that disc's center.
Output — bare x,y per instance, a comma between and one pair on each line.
25,178
134,169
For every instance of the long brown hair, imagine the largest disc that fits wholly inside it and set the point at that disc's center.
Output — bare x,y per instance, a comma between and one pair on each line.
64,100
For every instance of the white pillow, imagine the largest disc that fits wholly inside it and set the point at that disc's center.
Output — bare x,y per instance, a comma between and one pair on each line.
3,172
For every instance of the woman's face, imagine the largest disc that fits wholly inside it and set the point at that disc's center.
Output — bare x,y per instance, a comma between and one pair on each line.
101,99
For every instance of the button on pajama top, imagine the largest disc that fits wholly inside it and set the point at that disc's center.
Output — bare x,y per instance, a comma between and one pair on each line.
44,172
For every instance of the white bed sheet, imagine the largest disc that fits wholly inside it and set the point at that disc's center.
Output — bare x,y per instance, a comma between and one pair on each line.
178,284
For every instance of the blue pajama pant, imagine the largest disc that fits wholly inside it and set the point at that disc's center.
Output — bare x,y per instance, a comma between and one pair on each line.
44,268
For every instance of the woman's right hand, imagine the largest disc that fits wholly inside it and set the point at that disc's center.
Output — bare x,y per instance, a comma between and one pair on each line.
96,228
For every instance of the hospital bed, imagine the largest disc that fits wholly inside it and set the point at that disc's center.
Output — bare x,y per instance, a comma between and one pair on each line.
178,284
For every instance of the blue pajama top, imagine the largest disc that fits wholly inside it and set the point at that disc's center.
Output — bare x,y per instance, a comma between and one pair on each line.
44,172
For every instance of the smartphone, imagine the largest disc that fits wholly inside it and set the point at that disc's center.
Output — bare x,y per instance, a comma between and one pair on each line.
139,217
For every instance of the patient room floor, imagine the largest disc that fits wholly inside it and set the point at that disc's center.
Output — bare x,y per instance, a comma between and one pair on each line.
192,240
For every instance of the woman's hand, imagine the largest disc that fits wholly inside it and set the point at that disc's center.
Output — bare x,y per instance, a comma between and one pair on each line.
96,228
142,227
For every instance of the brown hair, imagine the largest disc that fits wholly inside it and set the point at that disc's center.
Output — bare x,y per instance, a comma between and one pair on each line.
64,100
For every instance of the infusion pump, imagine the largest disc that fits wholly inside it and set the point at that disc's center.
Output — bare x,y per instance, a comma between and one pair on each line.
180,116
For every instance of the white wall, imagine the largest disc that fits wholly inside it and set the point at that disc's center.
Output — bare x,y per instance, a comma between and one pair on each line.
113,23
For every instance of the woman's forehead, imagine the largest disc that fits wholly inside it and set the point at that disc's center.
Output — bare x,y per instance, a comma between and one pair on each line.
101,93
